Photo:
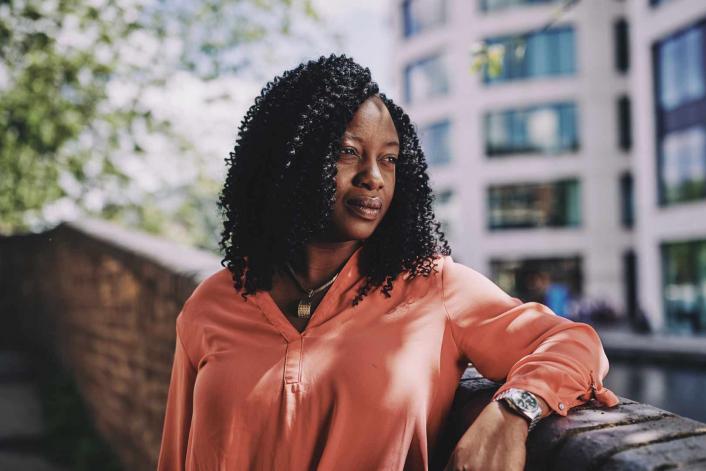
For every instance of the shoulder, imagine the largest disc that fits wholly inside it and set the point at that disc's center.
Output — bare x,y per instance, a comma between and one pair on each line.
465,288
453,273
211,292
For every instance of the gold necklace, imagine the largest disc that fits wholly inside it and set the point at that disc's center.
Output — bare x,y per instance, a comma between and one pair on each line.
304,306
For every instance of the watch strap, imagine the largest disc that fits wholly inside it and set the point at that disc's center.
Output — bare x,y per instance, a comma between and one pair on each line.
509,398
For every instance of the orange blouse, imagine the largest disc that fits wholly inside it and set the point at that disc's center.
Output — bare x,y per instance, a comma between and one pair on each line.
364,387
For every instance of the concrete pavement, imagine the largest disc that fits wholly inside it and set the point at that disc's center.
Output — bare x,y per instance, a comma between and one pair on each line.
21,426
621,343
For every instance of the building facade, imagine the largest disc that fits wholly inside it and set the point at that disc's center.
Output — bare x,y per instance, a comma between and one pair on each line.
669,88
546,169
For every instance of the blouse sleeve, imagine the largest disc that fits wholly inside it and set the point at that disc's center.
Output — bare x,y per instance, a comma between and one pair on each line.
524,343
177,419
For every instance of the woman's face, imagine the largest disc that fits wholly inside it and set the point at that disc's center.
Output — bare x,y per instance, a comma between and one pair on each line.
365,182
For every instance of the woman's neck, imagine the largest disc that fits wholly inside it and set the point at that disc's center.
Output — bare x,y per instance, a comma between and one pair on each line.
319,261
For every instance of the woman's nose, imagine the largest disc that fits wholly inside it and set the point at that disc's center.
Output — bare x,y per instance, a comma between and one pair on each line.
370,176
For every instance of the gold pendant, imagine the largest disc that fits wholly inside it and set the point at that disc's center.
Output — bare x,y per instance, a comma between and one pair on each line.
304,308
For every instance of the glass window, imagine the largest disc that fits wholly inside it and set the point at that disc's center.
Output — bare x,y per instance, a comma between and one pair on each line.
444,197
446,228
624,123
436,142
554,282
532,205
682,174
627,213
681,68
422,15
631,288
493,5
539,54
680,96
684,284
445,206
621,35
426,78
548,128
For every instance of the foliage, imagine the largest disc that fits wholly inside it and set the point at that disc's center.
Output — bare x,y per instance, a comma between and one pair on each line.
74,75
70,438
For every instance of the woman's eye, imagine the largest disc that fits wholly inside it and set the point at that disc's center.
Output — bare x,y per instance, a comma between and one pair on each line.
348,153
391,159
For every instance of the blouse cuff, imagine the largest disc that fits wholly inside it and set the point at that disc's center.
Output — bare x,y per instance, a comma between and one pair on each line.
562,404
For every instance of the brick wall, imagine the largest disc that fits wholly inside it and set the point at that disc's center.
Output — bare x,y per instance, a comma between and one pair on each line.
104,299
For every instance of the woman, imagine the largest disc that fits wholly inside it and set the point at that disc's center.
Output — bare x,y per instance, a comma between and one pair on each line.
336,334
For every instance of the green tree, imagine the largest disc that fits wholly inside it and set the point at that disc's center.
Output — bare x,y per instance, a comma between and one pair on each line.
61,133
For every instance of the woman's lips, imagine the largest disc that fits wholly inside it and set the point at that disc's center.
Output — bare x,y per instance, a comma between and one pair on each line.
365,207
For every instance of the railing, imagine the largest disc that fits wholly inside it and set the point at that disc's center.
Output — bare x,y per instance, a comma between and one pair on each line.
103,299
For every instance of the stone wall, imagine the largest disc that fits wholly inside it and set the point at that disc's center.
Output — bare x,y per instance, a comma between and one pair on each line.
103,299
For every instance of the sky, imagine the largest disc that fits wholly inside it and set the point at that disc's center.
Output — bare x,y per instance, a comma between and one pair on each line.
366,27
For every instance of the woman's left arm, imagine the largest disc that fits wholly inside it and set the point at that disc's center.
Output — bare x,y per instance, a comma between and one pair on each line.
527,345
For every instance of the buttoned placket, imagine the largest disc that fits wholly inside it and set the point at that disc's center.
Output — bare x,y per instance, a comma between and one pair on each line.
294,340
293,360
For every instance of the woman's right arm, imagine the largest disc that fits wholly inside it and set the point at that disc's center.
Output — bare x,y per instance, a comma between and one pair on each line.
177,418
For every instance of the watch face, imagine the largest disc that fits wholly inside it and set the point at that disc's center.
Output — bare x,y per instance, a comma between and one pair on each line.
526,401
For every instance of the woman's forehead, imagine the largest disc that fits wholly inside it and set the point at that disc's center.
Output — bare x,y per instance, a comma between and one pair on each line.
371,117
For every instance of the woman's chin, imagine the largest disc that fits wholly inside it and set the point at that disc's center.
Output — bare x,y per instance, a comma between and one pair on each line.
360,230
346,234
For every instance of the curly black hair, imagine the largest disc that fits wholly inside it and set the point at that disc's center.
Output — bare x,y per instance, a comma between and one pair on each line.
280,187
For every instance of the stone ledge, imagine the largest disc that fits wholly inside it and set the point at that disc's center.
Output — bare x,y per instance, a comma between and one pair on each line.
629,436
192,262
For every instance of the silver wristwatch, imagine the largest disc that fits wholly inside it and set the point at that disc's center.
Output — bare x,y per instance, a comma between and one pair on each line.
523,403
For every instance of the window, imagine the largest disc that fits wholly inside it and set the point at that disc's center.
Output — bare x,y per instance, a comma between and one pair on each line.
684,285
681,68
548,128
444,197
493,5
682,175
631,285
624,123
425,79
446,210
538,54
554,282
627,213
436,142
422,15
621,35
532,205
446,227
681,113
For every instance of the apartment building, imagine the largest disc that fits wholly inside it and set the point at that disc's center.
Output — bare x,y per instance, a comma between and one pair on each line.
546,170
668,87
